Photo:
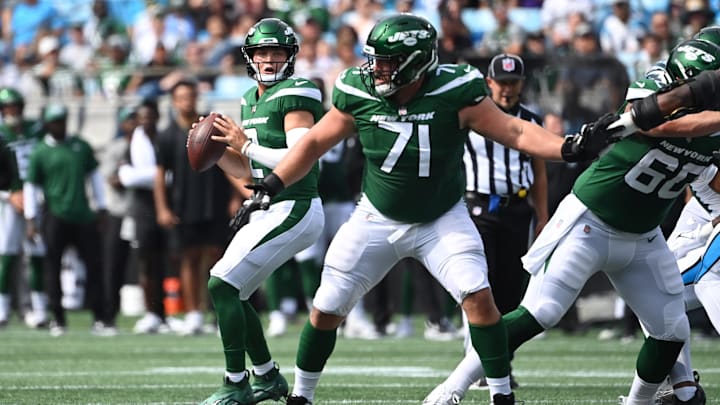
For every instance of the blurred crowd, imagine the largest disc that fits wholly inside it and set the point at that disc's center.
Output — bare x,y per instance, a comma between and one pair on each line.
109,49
136,55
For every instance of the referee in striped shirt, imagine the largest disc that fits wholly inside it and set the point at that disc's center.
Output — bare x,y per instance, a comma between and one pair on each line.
506,189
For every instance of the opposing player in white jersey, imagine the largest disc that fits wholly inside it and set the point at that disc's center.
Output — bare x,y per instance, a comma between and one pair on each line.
412,116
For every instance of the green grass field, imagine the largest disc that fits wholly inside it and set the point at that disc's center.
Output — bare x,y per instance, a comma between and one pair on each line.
79,368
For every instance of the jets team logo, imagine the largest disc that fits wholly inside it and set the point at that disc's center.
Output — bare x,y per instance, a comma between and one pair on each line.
409,38
508,64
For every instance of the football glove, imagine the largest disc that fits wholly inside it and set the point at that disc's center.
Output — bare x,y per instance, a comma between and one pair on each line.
591,140
268,187
694,238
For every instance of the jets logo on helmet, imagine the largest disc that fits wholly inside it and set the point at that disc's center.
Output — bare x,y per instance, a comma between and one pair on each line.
406,46
691,57
271,32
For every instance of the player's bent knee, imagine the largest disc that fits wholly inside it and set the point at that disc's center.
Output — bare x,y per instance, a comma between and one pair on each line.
677,330
547,313
480,308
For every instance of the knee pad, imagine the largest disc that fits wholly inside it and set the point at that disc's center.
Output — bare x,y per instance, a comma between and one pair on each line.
547,313
677,330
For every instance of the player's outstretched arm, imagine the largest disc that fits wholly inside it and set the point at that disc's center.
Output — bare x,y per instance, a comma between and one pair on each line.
334,126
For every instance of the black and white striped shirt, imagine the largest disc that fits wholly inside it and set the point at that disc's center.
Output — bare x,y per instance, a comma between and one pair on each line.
491,168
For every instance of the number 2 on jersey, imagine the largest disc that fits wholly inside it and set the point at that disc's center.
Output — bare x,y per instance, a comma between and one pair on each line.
405,132
251,133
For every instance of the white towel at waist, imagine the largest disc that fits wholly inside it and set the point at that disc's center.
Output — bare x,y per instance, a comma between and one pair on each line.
567,213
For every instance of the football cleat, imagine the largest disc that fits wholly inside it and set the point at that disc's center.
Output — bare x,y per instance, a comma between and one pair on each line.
442,395
271,385
503,399
297,400
670,399
231,393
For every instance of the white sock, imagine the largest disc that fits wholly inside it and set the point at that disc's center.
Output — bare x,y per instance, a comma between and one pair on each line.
262,369
305,383
467,372
685,393
235,377
288,306
641,392
499,385
4,307
38,302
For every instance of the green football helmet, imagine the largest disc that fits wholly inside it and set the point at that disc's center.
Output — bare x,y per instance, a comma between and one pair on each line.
710,34
408,43
9,95
691,57
271,32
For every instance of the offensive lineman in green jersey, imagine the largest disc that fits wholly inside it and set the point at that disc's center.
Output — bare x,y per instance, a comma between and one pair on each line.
20,135
412,117
610,223
275,114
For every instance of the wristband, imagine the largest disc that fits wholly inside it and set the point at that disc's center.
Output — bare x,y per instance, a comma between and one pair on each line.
273,184
244,149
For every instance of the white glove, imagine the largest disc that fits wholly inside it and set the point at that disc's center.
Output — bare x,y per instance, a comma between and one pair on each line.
684,242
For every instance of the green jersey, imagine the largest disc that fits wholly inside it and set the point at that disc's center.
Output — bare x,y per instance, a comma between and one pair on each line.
60,169
21,143
633,187
413,153
263,121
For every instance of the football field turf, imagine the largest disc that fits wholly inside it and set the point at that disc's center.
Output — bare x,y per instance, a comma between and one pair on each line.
79,368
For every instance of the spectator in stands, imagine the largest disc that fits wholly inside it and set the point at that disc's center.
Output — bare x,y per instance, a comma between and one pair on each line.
534,46
506,37
101,25
313,58
194,206
147,82
30,20
346,52
456,37
216,42
363,17
618,35
149,33
59,168
696,15
113,69
651,52
77,53
660,26
56,79
560,17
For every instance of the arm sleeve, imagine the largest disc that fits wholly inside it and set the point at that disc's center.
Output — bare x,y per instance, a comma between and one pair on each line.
271,157
96,183
30,200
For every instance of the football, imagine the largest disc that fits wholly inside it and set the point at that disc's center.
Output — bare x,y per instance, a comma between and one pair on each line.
202,151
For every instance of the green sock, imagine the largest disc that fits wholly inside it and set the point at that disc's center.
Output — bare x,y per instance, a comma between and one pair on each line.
280,285
656,358
310,277
36,273
257,347
521,327
7,263
407,293
315,347
490,343
231,320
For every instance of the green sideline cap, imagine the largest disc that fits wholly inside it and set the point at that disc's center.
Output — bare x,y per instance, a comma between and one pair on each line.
54,112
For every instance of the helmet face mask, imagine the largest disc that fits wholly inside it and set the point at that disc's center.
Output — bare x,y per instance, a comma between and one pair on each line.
691,57
270,34
400,50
